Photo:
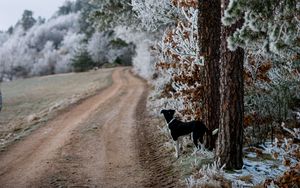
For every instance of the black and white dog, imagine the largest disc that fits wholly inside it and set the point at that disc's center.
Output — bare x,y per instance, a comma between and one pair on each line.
179,128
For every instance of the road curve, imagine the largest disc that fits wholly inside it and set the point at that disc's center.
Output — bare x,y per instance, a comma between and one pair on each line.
91,145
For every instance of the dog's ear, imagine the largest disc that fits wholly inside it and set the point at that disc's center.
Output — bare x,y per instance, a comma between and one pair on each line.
162,111
172,112
215,132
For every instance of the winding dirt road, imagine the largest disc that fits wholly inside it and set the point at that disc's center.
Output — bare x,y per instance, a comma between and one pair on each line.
93,144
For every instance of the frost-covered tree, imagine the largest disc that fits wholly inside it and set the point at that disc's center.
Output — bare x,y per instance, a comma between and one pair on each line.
270,38
45,48
67,8
230,138
86,25
10,30
82,60
121,52
16,56
48,47
209,31
155,14
84,8
106,47
47,62
178,82
27,20
111,13
72,41
271,97
143,62
271,28
54,30
134,17
98,46
3,37
145,30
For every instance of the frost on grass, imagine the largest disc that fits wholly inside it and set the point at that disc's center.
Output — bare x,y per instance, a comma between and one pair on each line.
31,121
259,166
210,175
271,164
268,163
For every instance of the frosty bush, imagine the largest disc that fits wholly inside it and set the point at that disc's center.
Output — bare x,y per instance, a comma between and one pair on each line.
270,97
211,175
181,61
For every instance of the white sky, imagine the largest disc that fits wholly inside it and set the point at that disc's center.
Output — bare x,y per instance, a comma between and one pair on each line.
11,10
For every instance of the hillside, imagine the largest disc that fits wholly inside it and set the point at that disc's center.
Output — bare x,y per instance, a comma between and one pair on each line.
30,102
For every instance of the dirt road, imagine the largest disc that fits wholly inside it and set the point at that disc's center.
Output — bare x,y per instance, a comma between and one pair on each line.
93,144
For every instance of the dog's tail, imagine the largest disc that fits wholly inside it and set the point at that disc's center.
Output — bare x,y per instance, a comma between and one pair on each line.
214,132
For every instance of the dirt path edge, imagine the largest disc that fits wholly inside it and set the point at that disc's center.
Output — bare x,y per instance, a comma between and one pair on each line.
152,154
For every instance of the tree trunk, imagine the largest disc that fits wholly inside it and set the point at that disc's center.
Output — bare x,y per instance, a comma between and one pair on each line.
209,22
230,140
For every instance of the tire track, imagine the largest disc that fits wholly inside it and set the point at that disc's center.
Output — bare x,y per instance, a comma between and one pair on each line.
105,141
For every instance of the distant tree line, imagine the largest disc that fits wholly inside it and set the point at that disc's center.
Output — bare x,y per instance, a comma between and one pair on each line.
66,42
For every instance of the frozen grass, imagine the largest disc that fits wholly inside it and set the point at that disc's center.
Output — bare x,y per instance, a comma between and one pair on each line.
29,102
259,166
198,168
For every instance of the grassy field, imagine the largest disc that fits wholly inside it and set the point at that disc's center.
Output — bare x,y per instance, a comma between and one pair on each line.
30,102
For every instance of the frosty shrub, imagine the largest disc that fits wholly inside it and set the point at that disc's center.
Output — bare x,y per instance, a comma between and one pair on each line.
180,61
270,97
211,175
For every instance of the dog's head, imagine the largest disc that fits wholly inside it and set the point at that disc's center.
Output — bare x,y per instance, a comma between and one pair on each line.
168,113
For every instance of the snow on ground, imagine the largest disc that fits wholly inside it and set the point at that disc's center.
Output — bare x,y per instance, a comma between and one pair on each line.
259,165
272,164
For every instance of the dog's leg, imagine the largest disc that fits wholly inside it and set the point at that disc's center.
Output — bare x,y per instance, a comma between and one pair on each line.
195,139
177,148
201,147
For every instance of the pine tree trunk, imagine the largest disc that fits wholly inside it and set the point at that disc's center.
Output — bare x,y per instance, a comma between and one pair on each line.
230,140
209,22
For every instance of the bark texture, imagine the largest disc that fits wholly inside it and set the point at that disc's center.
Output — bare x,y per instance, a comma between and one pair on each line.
230,140
209,22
